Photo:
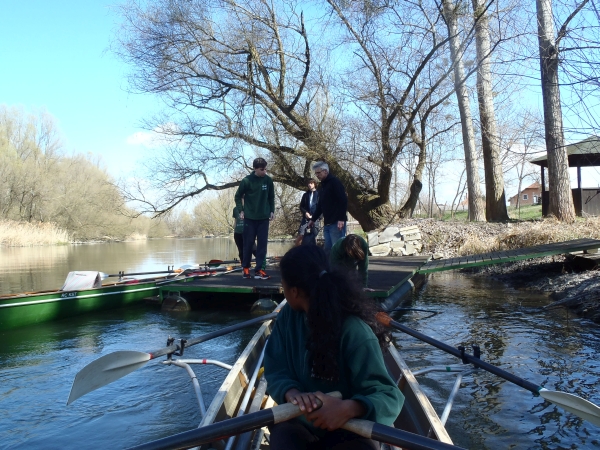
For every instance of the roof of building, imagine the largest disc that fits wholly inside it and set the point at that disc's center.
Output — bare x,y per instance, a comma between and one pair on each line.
584,153
535,185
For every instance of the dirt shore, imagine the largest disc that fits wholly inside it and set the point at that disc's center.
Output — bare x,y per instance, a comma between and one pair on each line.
557,276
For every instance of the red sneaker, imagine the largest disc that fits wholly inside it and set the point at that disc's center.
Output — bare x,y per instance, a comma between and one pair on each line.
261,275
246,273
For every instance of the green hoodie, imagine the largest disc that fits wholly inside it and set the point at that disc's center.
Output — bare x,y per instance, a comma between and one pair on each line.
363,375
339,259
259,197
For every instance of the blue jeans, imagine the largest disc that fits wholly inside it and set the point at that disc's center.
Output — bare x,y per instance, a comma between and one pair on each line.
332,234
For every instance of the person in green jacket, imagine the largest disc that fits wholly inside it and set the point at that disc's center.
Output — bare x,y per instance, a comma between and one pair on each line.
351,254
255,201
326,338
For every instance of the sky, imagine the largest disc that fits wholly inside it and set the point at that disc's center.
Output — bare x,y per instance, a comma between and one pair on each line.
54,54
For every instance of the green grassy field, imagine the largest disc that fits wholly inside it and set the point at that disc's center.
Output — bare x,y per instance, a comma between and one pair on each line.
528,212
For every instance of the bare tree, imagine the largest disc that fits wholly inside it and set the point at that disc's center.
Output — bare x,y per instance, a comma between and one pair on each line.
522,139
495,197
287,211
476,210
39,182
460,192
251,74
559,185
214,215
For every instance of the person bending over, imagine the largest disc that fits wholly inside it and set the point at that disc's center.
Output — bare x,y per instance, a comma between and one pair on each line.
325,339
351,254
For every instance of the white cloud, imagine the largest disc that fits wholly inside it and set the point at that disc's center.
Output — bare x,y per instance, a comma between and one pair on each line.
155,138
145,138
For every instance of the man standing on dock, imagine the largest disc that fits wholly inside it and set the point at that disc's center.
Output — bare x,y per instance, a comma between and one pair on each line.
333,204
308,205
256,210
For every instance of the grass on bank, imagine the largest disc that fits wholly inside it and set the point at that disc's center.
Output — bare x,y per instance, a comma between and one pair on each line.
528,234
25,234
528,212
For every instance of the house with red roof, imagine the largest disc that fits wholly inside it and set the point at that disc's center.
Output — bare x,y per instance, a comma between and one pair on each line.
531,195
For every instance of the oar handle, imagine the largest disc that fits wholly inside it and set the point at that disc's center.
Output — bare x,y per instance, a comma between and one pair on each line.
206,337
387,321
230,427
142,273
394,436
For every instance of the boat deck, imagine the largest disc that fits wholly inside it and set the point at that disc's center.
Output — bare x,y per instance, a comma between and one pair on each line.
485,259
386,275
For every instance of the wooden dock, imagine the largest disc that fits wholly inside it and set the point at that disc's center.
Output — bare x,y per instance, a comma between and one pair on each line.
486,259
386,276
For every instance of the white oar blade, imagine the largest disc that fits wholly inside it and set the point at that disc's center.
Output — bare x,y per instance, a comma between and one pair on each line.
572,403
105,370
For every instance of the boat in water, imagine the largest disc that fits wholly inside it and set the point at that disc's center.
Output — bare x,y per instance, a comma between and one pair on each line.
84,292
243,392
241,411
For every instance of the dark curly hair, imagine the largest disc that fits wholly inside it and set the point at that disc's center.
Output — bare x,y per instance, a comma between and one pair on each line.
333,296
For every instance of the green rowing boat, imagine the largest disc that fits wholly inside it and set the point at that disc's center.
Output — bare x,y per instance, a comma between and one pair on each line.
29,308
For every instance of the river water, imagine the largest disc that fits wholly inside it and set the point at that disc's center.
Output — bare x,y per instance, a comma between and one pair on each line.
39,268
38,363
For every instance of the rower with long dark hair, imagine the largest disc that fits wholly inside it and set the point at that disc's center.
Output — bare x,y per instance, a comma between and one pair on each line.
327,339
351,253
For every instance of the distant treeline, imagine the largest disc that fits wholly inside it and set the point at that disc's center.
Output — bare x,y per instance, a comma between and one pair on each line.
40,183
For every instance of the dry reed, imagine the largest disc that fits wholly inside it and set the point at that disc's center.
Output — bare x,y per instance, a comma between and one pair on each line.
25,234
528,234
135,236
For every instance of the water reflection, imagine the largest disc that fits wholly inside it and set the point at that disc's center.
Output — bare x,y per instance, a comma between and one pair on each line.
546,348
38,365
39,268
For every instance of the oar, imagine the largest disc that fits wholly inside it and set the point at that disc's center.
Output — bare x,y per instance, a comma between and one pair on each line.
218,262
281,413
570,402
229,427
394,436
115,365
106,275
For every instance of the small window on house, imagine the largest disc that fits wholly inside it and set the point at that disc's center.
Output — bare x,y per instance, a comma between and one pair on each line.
525,197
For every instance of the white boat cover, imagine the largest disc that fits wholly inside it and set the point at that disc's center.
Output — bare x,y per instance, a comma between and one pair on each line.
77,281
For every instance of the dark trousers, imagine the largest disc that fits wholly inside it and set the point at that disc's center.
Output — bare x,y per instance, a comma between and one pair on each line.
239,243
259,230
294,435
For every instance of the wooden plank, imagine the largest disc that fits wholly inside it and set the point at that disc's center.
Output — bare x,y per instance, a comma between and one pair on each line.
532,252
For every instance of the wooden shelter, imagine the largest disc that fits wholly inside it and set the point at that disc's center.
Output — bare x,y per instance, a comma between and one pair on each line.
585,153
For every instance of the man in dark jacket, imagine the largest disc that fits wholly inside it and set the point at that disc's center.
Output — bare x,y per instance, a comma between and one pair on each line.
333,204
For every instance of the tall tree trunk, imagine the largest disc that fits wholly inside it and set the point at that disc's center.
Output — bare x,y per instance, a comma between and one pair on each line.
559,183
372,219
476,212
495,200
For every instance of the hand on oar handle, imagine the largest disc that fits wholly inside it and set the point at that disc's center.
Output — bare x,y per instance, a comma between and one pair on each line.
225,428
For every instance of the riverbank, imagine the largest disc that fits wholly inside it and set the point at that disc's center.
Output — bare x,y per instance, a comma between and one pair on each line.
554,275
25,234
